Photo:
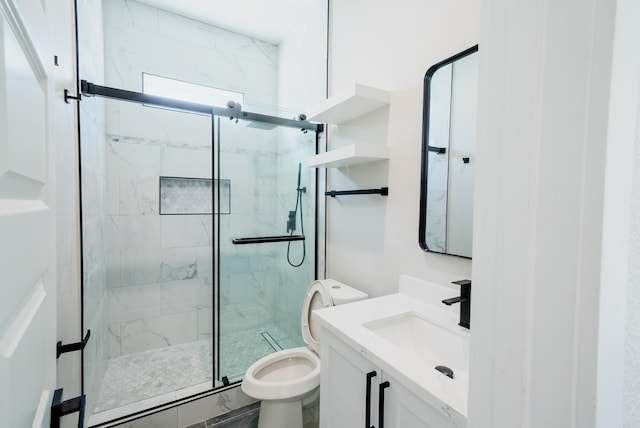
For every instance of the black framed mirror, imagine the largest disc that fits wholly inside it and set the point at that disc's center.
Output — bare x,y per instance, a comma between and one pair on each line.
448,147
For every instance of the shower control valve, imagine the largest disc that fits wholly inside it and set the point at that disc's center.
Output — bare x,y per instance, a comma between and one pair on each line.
291,222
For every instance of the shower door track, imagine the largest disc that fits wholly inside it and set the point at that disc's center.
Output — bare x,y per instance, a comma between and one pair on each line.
91,89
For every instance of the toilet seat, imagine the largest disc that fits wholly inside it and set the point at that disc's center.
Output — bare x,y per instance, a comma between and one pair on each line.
287,380
317,297
299,373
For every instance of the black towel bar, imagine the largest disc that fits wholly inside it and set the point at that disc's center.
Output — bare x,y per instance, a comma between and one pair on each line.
383,191
267,239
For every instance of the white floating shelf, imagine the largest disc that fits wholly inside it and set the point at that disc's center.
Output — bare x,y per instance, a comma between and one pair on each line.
350,155
361,100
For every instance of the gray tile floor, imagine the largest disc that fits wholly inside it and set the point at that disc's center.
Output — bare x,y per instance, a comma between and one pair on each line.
247,417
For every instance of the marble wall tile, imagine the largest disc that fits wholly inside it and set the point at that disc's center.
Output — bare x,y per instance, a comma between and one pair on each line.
135,159
157,266
141,312
205,323
130,14
178,162
133,232
205,264
158,332
192,32
113,269
139,197
134,303
140,267
180,231
244,316
186,296
114,340
134,50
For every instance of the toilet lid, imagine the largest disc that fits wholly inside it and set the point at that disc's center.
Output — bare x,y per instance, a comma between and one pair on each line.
317,297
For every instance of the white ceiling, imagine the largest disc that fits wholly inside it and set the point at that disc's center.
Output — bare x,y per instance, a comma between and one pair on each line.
268,20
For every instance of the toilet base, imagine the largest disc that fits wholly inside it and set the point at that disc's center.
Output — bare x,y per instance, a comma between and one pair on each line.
280,413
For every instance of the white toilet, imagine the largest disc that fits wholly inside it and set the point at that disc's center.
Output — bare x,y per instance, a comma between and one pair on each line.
287,379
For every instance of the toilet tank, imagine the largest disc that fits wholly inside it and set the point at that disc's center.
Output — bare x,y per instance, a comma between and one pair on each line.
342,293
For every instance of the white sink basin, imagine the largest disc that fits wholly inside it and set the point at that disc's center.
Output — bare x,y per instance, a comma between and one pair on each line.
426,340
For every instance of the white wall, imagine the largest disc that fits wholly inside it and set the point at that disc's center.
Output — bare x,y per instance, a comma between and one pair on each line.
632,345
302,62
618,255
627,79
371,240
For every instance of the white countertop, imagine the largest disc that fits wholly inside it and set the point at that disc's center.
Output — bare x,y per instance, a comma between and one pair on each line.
450,396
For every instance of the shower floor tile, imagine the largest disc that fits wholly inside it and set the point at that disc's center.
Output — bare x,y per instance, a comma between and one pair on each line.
143,375
239,350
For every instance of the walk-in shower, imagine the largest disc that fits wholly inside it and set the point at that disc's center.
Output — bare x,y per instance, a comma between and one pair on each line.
187,239
199,222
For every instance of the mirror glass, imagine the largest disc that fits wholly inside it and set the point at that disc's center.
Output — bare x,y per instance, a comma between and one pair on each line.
448,146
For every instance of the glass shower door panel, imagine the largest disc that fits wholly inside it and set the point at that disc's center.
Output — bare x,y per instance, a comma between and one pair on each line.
148,248
262,285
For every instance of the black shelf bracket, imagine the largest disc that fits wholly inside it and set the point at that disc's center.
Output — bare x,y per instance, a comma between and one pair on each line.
71,347
383,191
68,96
61,408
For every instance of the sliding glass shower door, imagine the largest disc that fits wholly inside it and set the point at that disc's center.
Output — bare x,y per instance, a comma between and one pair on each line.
147,223
199,242
266,236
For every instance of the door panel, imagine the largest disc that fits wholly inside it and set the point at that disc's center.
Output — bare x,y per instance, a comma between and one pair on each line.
27,268
262,285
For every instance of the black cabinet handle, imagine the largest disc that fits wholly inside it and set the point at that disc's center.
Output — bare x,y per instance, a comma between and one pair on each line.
367,416
383,386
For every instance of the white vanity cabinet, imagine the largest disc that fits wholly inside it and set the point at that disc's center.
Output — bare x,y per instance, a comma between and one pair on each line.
404,409
345,377
342,384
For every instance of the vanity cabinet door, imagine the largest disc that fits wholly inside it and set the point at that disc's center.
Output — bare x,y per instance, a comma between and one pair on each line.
404,409
343,386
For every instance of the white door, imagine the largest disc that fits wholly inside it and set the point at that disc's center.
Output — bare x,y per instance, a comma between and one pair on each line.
27,219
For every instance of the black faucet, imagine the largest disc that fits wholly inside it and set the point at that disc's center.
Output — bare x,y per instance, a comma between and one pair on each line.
465,302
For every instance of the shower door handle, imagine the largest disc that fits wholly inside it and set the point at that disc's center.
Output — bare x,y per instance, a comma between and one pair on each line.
367,415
